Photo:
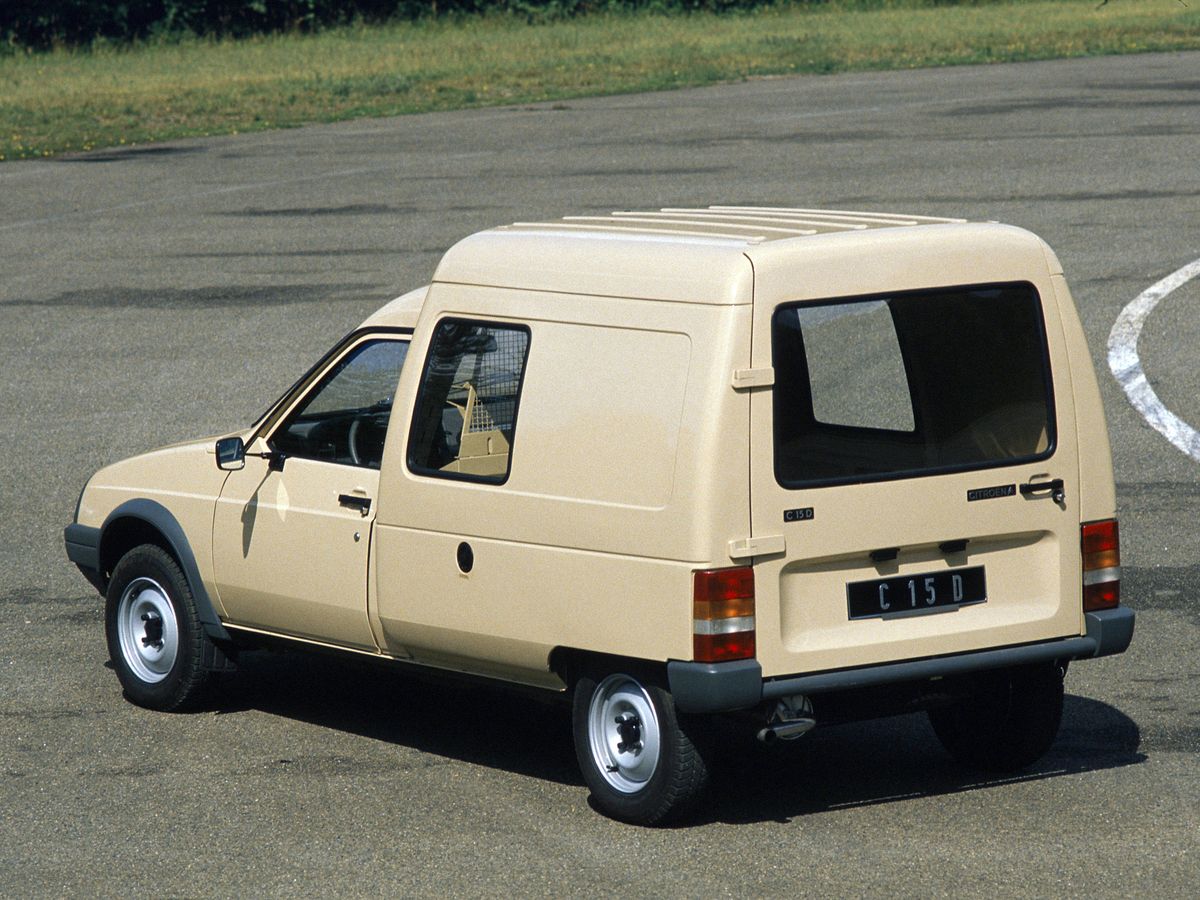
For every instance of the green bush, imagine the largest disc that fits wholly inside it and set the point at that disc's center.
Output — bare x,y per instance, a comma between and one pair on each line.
38,24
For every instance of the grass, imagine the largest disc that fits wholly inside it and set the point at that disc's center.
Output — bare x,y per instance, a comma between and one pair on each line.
65,101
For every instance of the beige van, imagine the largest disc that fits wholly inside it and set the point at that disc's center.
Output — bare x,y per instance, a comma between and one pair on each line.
803,466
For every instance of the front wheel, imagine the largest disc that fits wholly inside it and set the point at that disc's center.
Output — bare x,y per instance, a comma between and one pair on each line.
155,637
1009,720
638,761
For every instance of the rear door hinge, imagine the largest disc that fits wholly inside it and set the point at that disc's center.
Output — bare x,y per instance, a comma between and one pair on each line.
767,545
748,379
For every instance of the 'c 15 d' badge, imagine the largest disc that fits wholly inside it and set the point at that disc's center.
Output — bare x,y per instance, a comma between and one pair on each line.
798,515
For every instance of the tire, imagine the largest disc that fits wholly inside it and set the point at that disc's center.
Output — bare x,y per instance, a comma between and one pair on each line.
1009,722
155,638
640,765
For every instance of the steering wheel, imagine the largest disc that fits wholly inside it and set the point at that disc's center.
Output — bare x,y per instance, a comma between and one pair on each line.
365,438
352,438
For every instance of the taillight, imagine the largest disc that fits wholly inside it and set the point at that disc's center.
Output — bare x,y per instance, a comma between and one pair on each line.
1101,545
723,615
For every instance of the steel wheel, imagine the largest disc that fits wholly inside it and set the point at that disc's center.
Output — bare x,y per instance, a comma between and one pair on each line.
624,733
155,639
633,751
148,630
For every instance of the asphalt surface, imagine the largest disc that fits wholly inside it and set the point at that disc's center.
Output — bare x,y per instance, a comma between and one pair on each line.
158,293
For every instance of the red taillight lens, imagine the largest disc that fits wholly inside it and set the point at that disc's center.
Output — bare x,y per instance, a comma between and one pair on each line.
723,615
1101,545
723,647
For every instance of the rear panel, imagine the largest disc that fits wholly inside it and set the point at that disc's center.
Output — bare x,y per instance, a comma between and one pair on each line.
906,416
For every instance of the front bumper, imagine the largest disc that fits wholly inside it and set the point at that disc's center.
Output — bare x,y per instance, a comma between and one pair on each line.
723,687
83,549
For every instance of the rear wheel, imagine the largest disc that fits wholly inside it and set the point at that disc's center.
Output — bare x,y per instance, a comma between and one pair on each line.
155,637
641,766
1008,722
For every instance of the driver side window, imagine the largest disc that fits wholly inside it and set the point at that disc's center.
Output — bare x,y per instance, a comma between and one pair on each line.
344,418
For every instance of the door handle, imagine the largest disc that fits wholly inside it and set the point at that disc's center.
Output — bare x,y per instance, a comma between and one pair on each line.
1055,487
362,504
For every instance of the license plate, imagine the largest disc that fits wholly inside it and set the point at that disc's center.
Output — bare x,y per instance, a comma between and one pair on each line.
909,594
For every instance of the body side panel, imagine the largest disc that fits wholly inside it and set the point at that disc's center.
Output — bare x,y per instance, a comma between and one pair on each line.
628,472
1097,498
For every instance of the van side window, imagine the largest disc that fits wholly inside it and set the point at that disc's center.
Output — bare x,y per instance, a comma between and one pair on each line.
910,384
466,410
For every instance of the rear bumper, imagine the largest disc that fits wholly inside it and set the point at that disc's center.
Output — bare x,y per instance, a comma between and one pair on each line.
722,687
1111,629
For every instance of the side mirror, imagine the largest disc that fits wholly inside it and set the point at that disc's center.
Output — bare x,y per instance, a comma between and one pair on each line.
231,454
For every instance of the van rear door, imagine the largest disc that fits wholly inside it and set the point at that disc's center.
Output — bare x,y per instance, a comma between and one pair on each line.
913,460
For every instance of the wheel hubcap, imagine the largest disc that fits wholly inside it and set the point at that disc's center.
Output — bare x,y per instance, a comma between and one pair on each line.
624,733
148,630
629,727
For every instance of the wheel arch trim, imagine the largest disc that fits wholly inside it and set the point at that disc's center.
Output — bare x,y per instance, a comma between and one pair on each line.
164,522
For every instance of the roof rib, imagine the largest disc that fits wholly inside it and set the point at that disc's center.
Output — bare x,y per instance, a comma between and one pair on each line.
747,224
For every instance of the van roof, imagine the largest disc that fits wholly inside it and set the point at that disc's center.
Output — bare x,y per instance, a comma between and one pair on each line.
708,256
681,255
399,313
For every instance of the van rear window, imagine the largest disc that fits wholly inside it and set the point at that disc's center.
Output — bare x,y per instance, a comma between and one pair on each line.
910,384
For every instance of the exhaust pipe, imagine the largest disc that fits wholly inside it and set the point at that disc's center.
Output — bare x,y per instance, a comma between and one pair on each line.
785,731
791,718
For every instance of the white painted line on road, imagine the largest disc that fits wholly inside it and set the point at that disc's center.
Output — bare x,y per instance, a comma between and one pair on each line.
1127,367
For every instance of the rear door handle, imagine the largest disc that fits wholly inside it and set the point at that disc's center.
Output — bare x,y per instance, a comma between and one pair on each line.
362,504
1055,487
